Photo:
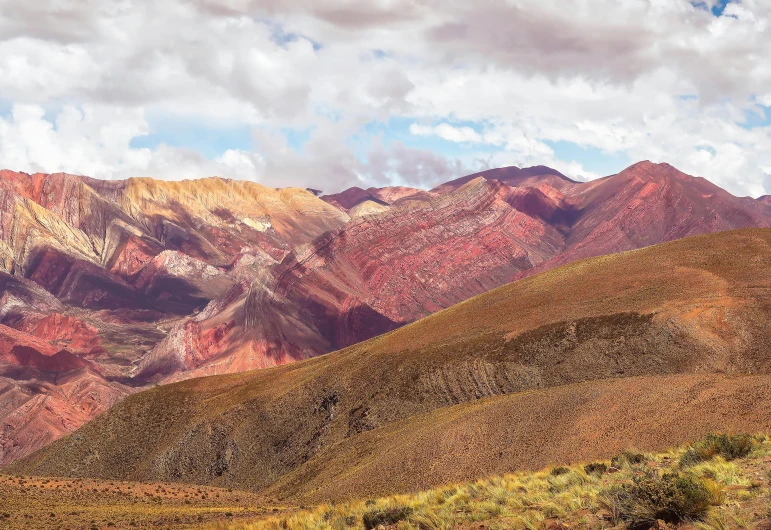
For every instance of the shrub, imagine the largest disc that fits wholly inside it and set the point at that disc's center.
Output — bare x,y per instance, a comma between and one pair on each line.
627,457
596,468
389,516
557,471
729,446
671,497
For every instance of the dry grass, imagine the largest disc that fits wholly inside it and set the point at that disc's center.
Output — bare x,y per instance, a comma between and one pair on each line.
736,494
36,503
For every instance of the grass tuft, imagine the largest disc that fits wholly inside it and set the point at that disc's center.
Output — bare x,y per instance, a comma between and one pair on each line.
670,497
627,458
596,469
385,517
728,446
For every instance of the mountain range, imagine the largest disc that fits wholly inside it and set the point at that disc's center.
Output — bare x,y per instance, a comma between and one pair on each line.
650,348
112,287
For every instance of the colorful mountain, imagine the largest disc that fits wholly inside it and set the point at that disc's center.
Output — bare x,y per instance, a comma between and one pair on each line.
651,347
109,286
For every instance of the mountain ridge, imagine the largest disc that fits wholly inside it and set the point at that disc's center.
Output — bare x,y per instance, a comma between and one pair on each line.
158,281
670,320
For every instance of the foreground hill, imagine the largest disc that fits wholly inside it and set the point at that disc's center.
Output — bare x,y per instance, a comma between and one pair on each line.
720,481
728,486
660,344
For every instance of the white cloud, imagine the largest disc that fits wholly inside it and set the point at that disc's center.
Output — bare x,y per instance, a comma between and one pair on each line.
448,132
95,141
83,77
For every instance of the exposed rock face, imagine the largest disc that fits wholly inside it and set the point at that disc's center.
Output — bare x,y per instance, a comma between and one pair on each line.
638,348
112,285
399,263
515,177
100,278
648,204
392,195
480,232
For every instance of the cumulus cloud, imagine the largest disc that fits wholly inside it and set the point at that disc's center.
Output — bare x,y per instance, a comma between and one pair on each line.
665,80
447,132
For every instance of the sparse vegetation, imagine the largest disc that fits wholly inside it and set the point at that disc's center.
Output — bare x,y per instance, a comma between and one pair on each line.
557,471
385,517
628,458
53,503
728,446
596,468
644,489
670,497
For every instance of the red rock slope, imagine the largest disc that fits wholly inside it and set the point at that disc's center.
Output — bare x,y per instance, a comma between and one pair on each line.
97,276
107,286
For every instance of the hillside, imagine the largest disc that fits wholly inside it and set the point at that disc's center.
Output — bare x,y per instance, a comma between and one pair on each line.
99,278
676,332
109,287
728,486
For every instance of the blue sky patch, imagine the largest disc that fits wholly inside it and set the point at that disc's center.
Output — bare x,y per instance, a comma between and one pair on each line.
297,138
591,158
6,107
761,118
283,37
716,9
209,139
398,130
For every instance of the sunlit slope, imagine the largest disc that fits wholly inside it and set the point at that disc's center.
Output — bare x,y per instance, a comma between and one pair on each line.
699,306
530,430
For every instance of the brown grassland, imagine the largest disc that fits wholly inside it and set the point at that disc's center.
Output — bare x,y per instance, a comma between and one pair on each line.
38,503
718,491
702,486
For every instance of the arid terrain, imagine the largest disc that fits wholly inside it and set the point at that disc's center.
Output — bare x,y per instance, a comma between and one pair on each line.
650,348
725,487
385,265
111,287
715,482
37,503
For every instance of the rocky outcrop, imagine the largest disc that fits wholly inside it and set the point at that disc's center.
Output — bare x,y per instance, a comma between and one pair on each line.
514,177
646,204
389,196
398,263
99,279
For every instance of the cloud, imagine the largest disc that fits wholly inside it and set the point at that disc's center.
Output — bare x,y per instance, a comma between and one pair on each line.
448,132
96,140
502,81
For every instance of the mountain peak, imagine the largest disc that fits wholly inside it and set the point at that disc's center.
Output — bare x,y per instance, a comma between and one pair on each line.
654,170
512,176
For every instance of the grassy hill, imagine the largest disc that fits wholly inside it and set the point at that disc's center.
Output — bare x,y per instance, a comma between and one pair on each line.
648,347
727,486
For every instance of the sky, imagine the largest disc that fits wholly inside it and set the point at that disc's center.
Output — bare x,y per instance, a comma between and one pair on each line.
335,93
